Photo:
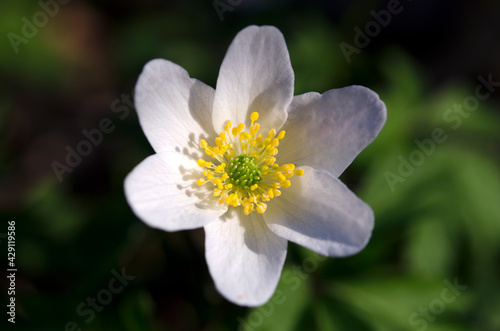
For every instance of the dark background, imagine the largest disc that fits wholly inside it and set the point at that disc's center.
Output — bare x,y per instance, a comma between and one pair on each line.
440,223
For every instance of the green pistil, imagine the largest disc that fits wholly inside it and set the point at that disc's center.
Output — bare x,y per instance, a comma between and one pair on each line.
243,172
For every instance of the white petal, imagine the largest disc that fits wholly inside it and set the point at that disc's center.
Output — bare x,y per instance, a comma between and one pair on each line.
328,131
256,75
173,108
244,257
163,193
319,212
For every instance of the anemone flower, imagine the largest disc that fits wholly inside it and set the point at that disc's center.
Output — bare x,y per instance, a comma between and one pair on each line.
217,164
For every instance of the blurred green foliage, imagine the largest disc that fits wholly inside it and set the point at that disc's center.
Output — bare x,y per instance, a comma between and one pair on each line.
442,223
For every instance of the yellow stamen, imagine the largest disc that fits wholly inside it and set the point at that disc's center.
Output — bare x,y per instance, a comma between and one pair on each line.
261,208
254,116
218,141
299,172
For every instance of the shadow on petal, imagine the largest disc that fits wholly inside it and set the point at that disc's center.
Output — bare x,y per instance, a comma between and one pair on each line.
264,103
203,193
201,99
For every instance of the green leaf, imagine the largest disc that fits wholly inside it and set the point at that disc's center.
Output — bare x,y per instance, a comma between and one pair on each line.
136,311
390,303
56,216
283,311
325,320
430,247
317,62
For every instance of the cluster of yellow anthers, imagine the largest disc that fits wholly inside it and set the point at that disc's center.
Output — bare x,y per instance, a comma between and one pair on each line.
247,174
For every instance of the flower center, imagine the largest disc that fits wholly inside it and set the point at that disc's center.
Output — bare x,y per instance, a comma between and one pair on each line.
243,172
247,174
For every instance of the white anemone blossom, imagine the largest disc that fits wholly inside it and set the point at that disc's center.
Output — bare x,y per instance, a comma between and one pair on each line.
217,164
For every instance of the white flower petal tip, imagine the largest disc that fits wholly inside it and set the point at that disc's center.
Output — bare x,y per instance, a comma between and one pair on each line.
319,212
217,164
173,108
255,76
244,258
338,125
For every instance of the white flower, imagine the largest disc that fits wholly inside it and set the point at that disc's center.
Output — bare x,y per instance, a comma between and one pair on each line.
249,198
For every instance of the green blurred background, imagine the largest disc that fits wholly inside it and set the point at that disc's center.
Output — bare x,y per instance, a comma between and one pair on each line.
437,222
